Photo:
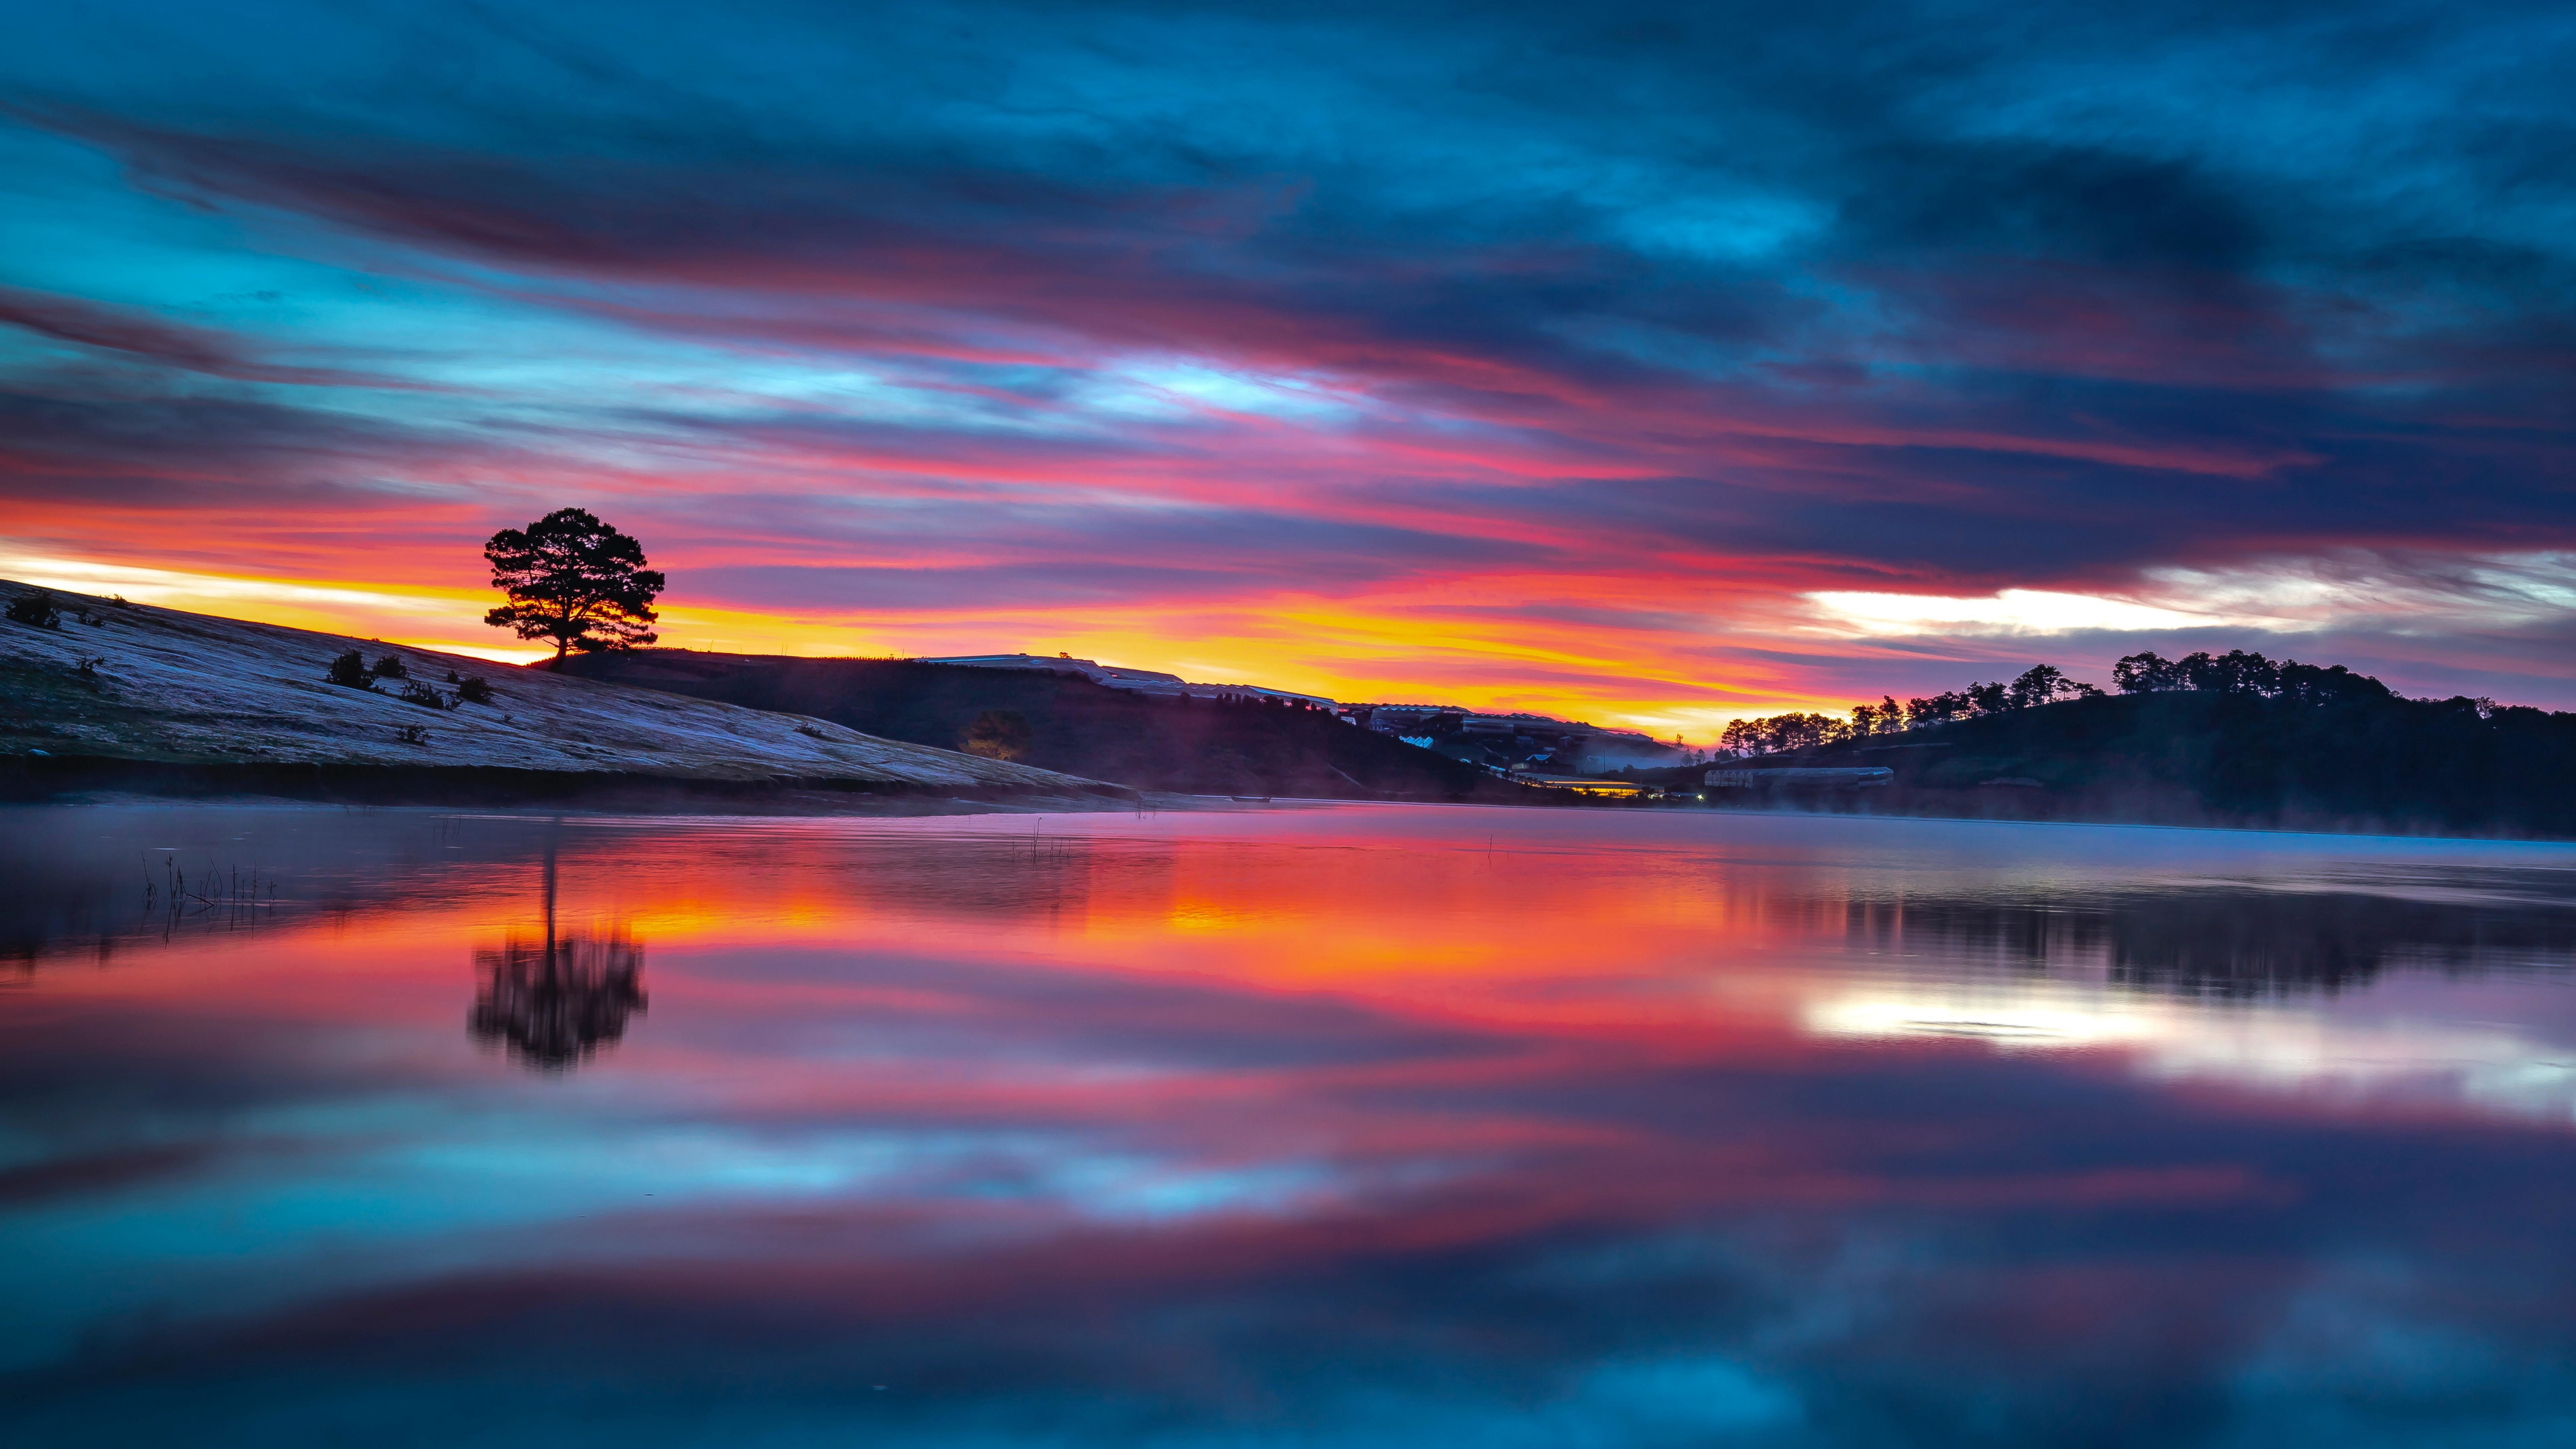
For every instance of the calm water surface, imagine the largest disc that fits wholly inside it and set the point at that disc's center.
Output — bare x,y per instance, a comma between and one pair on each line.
1351,1126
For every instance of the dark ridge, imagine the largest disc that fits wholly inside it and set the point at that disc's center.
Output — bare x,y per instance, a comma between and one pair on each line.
1066,722
2358,759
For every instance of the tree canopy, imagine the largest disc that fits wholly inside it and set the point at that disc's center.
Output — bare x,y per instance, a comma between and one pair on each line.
2237,672
575,580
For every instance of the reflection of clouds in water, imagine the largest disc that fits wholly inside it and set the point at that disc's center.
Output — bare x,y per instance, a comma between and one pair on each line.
554,1003
2237,984
2305,1049
1169,1137
2366,1339
1674,1400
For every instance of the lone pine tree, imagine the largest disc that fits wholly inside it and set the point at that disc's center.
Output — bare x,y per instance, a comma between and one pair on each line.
575,580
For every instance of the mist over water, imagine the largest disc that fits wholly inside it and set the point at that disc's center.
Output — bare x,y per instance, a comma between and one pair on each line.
1354,1125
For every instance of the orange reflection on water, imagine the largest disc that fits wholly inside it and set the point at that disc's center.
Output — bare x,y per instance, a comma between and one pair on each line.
1528,1092
1644,938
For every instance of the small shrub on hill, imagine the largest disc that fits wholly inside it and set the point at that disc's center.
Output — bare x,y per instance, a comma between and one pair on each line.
350,669
424,695
37,609
411,735
474,689
998,734
390,666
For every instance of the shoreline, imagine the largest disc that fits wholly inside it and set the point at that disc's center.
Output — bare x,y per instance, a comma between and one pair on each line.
96,779
92,779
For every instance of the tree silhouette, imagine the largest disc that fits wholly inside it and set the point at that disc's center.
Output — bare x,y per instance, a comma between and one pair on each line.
554,1003
2040,684
2145,673
574,580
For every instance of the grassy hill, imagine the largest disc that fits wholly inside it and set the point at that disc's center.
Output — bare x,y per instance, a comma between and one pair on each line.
2364,759
160,693
1215,747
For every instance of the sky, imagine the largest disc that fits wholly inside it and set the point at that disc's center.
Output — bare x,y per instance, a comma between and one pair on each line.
1652,364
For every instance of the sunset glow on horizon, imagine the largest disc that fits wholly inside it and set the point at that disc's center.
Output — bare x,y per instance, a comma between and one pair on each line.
1646,365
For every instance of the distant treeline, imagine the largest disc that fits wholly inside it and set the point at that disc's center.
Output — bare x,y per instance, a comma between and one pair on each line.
2206,739
2237,672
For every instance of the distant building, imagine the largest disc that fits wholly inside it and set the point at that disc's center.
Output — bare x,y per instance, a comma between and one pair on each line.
1053,664
1605,789
1621,749
1519,740
1404,719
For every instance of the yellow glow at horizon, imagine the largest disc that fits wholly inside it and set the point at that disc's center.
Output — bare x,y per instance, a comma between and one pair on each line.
1305,645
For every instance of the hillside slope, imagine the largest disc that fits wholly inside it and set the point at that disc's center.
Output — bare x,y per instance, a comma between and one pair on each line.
2367,761
178,688
1218,747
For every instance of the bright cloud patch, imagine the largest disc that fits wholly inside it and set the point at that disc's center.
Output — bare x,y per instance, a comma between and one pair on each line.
2016,611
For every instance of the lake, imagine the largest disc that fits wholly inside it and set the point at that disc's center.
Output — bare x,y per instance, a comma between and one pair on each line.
1358,1125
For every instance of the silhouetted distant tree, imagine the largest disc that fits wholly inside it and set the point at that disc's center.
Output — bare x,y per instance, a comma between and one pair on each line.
351,669
2043,684
2145,672
2235,672
2240,671
2037,685
2327,684
1883,718
574,580
1773,734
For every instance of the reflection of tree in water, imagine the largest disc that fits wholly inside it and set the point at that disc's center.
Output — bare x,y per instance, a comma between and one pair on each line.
555,1003
2234,942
